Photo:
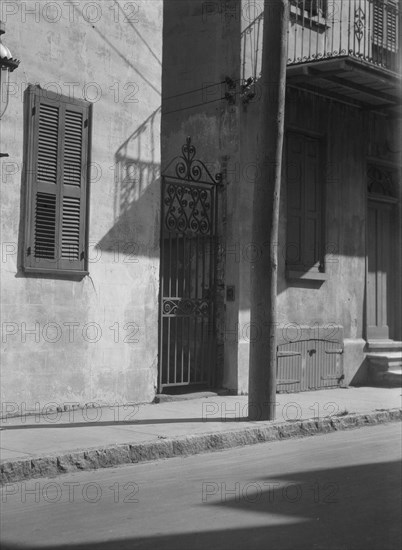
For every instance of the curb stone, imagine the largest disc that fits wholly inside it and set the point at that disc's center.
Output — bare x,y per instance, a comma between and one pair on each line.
115,455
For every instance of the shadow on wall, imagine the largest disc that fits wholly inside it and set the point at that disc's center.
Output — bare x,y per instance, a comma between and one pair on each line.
137,193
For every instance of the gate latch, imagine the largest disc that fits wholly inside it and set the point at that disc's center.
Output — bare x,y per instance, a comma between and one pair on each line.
206,293
230,293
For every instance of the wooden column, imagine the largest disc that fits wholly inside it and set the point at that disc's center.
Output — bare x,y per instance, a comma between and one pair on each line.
263,314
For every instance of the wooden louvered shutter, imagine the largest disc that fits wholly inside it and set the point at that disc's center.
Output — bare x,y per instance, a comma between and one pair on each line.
312,7
56,160
378,22
304,204
295,202
392,26
73,188
385,24
312,205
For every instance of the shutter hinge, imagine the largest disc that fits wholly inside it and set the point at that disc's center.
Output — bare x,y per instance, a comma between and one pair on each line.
82,255
28,251
86,123
33,111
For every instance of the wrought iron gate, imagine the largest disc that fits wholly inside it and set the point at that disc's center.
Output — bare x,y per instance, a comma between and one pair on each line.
188,270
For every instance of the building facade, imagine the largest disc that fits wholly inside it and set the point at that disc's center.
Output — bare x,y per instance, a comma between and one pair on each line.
132,133
80,203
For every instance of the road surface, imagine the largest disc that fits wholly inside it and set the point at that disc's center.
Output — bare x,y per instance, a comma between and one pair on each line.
339,491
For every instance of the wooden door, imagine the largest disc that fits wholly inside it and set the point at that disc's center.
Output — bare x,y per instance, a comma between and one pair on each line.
379,269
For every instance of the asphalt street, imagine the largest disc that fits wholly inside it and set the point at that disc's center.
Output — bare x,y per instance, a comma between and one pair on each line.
340,491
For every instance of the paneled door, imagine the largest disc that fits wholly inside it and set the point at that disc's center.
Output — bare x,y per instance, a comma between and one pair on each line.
379,269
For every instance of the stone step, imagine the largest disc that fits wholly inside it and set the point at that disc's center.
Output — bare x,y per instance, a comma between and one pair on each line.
384,345
387,379
385,363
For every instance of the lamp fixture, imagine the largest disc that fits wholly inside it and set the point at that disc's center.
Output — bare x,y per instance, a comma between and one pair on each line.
7,65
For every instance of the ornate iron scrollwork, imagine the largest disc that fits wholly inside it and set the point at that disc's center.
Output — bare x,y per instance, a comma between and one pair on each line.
183,307
188,192
188,209
359,24
191,169
380,180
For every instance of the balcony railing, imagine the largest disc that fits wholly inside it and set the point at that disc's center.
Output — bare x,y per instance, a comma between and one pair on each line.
324,29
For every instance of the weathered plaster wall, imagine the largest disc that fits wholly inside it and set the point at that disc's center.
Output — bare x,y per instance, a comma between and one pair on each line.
194,72
111,56
350,137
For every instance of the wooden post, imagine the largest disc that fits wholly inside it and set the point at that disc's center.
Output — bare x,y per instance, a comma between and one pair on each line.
263,314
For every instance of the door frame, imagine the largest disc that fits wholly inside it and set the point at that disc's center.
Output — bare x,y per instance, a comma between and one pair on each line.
391,196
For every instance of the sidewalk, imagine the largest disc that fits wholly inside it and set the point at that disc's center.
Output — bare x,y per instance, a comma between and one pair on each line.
50,444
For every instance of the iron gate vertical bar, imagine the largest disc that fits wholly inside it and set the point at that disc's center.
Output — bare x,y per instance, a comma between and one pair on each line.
161,287
212,371
190,295
184,296
194,362
201,360
176,295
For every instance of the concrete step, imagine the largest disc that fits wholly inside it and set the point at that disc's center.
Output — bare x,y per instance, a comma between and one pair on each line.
389,375
385,363
389,379
384,345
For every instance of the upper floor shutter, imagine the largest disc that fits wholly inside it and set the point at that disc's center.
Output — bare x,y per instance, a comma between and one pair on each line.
312,7
392,26
385,24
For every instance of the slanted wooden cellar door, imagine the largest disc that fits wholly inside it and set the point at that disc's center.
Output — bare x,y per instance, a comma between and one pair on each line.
380,252
188,265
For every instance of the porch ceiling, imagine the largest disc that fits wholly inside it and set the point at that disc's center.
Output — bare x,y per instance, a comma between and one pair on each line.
350,80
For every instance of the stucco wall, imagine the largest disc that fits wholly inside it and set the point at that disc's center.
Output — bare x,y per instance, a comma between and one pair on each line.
349,137
194,71
112,57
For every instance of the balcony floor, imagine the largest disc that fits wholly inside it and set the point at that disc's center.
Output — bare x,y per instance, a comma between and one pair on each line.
349,80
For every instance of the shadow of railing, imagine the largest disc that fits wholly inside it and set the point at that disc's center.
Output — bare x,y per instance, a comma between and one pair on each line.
136,192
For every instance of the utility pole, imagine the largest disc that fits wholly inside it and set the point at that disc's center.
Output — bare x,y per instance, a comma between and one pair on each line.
263,311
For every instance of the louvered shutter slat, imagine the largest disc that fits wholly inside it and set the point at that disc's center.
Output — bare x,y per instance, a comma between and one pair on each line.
73,148
71,228
45,176
48,132
45,226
